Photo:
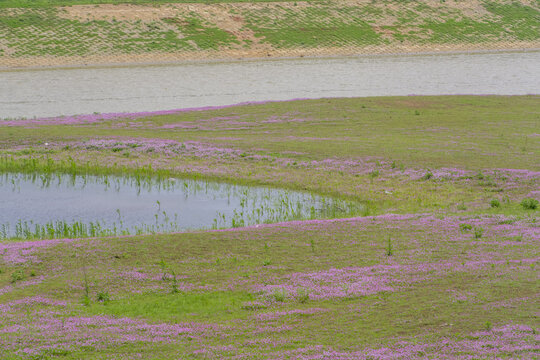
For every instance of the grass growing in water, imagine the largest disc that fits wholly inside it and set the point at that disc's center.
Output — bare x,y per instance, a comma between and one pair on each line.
247,206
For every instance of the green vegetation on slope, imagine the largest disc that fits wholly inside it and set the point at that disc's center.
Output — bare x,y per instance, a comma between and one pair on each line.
54,3
24,34
257,29
313,27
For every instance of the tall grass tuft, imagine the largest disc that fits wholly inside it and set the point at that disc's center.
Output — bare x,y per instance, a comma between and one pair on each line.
389,249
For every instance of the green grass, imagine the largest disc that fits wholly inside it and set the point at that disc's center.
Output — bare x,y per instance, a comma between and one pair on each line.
469,133
421,311
453,270
177,307
24,34
312,27
525,25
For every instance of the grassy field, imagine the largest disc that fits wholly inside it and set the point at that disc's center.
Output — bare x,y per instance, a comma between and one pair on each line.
157,32
443,264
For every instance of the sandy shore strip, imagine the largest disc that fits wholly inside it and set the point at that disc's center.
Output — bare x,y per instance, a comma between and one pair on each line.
39,62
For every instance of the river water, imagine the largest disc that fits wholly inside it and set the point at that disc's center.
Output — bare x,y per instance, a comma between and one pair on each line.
70,91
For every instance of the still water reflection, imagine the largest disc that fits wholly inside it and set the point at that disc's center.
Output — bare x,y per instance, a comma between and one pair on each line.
48,206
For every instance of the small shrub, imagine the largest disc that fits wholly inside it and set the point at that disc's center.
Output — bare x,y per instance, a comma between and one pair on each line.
103,297
488,326
428,175
163,265
506,222
302,295
266,262
17,275
495,203
279,295
374,174
33,273
86,299
461,207
529,204
416,112
478,232
56,352
465,227
174,284
488,182
389,250
253,305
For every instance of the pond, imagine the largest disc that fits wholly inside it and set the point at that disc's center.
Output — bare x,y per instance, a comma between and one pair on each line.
52,92
55,205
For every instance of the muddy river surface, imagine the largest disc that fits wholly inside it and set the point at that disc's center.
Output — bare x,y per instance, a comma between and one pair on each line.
146,88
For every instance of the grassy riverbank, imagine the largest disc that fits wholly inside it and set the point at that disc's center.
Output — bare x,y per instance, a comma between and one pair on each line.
429,152
49,35
445,266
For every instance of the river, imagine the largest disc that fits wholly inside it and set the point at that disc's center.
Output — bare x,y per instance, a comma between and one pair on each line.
69,91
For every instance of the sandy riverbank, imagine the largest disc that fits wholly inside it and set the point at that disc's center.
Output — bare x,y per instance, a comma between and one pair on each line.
37,62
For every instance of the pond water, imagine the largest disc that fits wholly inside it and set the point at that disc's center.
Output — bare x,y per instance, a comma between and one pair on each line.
73,91
52,206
